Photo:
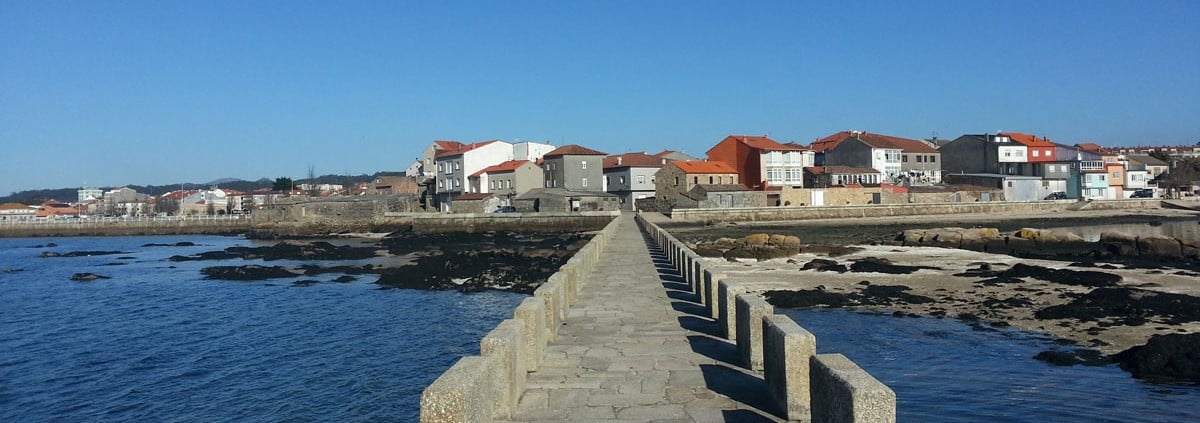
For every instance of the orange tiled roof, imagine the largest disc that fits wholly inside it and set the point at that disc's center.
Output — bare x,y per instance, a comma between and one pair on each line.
574,150
1028,140
765,143
507,166
1090,147
873,140
447,145
463,149
697,166
633,160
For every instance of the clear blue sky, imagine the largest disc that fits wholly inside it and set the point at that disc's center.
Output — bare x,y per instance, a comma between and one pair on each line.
160,92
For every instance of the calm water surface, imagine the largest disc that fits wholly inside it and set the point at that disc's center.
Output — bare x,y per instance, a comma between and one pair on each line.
943,370
156,343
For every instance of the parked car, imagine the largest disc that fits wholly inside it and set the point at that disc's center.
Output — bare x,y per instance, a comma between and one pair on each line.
1143,193
1057,195
506,209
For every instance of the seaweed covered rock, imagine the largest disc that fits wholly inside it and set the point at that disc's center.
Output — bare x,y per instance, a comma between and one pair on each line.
1164,358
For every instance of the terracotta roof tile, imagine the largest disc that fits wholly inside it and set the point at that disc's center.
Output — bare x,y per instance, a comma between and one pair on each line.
1090,147
447,145
507,166
874,140
697,166
463,149
574,150
1028,140
633,160
765,143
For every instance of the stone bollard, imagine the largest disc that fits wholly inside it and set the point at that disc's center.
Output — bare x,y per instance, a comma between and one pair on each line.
727,308
460,395
708,289
751,309
698,277
844,392
787,353
547,293
532,312
506,344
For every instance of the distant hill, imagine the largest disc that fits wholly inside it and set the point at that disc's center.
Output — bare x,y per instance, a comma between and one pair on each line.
39,196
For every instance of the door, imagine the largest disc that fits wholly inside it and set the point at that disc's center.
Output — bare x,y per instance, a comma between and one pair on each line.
985,197
818,198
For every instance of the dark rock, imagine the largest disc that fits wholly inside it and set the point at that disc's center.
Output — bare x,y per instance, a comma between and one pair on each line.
471,271
87,277
208,255
115,263
878,265
824,265
13,270
81,253
1126,306
1164,358
1072,357
345,279
305,282
247,273
870,295
317,250
831,250
177,244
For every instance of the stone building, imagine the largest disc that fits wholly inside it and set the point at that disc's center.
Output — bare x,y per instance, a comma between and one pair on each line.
574,168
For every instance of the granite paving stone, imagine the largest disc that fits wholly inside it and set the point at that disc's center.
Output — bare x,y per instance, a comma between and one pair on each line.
622,355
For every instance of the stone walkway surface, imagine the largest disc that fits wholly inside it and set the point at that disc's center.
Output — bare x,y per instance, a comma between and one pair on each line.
636,347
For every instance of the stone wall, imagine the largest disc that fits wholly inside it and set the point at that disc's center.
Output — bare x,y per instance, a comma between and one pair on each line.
884,210
127,228
804,385
488,386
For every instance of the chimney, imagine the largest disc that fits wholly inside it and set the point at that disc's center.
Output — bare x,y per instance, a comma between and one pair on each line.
618,160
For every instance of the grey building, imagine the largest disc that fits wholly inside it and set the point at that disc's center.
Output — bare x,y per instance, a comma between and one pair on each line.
1015,187
574,168
630,176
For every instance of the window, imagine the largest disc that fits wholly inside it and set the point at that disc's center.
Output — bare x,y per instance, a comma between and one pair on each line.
695,179
1021,153
440,183
439,167
676,181
641,179
583,182
775,157
1116,175
621,179
458,182
583,164
904,159
794,175
457,165
1035,153
932,159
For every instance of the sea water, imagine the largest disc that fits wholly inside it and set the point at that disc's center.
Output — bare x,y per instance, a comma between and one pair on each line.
158,342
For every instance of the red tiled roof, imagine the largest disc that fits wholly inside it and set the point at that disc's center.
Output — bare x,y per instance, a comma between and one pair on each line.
873,140
1090,147
764,143
463,149
697,166
508,166
1028,140
574,150
633,160
839,170
447,145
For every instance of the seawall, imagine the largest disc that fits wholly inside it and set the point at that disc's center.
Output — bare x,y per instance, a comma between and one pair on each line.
886,210
87,227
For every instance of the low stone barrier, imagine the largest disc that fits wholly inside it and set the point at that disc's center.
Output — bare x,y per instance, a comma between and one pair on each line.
787,351
803,385
488,386
844,392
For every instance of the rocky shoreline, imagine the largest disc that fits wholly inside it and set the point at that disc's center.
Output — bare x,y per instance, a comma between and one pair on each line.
508,261
1133,301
